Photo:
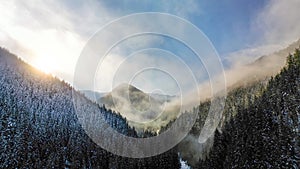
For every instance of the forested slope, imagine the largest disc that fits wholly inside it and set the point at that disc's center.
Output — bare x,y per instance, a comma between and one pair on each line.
241,96
264,134
39,127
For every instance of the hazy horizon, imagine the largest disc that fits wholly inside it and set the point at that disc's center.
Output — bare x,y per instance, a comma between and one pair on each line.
57,32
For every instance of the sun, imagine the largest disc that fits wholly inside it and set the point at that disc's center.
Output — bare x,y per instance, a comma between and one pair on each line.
45,64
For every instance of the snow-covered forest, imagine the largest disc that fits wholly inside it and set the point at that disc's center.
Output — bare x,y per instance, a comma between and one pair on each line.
39,127
261,124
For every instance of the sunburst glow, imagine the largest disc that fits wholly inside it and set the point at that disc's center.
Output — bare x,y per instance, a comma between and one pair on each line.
45,64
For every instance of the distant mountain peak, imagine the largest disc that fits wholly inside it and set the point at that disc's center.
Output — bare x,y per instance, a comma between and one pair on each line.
125,87
137,106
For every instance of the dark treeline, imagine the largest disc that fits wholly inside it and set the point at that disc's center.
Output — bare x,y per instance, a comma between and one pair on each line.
241,96
264,134
39,127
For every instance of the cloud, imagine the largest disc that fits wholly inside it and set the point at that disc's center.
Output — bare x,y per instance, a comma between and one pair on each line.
278,26
148,70
50,35
247,56
279,22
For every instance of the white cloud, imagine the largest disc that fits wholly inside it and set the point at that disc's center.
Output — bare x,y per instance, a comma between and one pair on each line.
246,56
279,26
147,69
279,21
50,35
55,33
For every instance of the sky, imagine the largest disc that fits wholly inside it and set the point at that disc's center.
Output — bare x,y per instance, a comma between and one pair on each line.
51,35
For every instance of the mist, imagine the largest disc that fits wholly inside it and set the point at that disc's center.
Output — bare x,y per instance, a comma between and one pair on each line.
261,69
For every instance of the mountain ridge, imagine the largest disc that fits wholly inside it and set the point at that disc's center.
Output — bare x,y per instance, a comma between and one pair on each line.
40,128
132,103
